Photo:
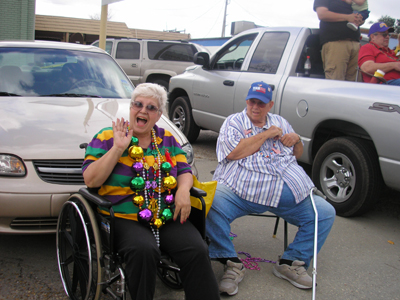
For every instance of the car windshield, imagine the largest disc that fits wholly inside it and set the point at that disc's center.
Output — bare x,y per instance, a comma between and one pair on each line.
62,73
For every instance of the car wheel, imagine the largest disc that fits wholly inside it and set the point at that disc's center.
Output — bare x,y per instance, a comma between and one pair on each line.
181,115
347,171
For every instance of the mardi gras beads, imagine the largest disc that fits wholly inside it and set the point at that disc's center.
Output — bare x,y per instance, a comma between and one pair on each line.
137,183
151,186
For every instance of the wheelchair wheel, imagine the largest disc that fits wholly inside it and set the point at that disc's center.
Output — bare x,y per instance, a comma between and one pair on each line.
79,250
168,272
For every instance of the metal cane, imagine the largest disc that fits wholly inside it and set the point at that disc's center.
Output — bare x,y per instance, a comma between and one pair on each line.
314,272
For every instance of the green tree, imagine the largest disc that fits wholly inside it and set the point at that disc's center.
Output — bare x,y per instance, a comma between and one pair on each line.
391,22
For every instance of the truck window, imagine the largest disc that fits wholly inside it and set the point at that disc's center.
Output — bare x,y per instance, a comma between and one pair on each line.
108,46
312,48
232,56
269,52
171,51
128,50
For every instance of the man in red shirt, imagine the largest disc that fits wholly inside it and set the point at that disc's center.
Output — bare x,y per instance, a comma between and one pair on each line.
377,55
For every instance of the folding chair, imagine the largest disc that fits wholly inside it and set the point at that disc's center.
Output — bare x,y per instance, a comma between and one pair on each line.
380,79
285,230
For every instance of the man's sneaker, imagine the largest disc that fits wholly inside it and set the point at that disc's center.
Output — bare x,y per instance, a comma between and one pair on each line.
296,274
352,26
234,273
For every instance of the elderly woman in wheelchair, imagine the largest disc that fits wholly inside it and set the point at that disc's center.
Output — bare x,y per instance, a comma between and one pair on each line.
142,170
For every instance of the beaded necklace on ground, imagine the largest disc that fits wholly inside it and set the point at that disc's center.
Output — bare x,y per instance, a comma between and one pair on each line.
151,215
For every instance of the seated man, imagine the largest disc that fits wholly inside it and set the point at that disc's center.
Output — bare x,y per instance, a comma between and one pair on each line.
258,172
377,55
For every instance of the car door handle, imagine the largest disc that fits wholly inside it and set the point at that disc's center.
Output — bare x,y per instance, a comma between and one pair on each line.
134,65
229,82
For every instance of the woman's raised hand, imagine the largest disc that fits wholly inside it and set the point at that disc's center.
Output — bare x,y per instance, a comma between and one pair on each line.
122,137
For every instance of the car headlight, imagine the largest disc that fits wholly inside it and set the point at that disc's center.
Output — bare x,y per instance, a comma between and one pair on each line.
11,166
189,152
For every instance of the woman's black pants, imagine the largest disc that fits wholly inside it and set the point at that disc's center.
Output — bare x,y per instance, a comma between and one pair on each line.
182,242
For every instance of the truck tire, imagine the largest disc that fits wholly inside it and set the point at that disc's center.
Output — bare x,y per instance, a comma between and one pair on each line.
181,115
347,171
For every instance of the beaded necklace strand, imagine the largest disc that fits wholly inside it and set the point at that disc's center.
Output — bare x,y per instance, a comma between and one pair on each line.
152,215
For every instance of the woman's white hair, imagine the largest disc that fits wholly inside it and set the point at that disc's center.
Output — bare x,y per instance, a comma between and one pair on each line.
151,90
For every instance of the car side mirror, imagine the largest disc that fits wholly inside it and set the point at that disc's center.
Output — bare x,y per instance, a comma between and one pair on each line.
203,59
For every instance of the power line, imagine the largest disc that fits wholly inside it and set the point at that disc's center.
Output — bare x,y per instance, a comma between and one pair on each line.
236,2
214,23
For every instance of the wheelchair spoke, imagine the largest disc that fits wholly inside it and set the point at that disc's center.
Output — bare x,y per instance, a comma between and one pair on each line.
67,238
78,279
68,260
83,281
74,279
72,222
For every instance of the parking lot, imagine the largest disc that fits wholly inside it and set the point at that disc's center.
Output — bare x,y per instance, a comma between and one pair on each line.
360,259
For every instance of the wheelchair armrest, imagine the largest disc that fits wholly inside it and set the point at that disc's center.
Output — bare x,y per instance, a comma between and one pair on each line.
95,198
196,192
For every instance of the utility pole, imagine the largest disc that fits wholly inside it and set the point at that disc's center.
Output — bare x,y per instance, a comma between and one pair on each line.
103,22
224,22
103,27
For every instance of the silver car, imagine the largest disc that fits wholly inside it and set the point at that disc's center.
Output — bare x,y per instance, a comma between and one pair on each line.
54,97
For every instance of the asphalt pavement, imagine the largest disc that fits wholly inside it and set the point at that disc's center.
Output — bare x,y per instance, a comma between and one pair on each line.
360,259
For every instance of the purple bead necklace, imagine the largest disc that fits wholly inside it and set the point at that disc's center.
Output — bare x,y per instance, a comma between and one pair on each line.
152,214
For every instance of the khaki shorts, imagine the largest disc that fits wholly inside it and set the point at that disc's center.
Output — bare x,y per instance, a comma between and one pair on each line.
340,59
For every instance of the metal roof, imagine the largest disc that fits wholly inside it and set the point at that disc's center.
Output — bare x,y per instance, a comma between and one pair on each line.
88,26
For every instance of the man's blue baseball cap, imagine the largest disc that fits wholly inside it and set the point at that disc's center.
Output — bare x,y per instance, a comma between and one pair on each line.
261,91
379,27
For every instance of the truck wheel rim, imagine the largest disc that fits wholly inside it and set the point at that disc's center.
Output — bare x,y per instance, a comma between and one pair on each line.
338,177
179,118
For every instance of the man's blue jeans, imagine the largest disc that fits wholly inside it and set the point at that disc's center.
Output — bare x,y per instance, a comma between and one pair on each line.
394,82
227,207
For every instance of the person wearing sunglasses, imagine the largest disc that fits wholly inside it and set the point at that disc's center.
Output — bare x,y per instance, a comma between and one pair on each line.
377,55
257,171
143,171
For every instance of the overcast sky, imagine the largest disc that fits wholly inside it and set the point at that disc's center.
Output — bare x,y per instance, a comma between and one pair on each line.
204,18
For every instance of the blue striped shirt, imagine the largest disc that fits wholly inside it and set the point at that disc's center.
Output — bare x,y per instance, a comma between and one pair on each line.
259,178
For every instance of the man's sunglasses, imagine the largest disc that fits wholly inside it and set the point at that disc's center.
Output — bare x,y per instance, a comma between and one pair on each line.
385,35
138,106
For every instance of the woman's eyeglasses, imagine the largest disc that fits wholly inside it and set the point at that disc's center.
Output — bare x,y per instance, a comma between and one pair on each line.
138,106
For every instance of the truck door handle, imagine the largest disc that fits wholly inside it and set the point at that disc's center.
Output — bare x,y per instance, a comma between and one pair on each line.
134,65
229,82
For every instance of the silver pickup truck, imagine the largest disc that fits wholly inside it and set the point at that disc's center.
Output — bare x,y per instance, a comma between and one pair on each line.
350,129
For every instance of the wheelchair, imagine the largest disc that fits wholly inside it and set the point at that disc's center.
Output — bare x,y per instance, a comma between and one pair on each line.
88,264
